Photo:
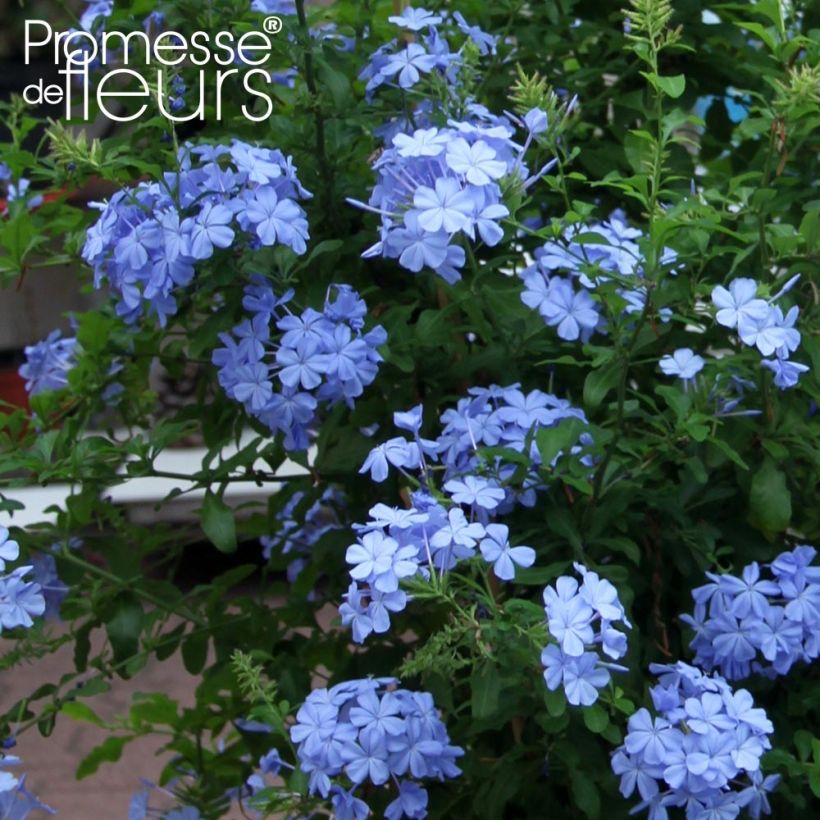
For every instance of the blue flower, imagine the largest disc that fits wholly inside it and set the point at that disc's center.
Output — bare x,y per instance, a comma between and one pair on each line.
380,561
253,386
477,163
210,229
570,623
424,142
486,42
573,312
739,305
572,612
786,373
302,365
474,490
700,748
496,549
20,600
346,806
411,802
683,363
396,451
9,550
741,622
445,207
48,363
372,735
415,19
377,716
409,63
536,121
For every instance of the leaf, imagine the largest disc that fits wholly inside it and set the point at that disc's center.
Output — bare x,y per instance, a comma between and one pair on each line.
124,627
770,502
486,686
672,86
195,652
675,398
539,576
625,545
81,711
556,702
760,31
595,718
729,452
561,437
599,382
585,793
218,523
155,707
109,751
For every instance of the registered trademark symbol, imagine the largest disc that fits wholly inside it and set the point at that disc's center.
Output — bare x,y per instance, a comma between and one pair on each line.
272,24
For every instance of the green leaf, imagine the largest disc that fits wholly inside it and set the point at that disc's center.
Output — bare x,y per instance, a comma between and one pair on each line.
486,686
195,652
760,31
124,627
770,502
585,793
595,718
109,751
672,86
561,437
676,399
556,702
599,382
625,545
155,707
218,523
81,711
729,452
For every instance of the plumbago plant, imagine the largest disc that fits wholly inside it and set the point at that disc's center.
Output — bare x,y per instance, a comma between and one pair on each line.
507,314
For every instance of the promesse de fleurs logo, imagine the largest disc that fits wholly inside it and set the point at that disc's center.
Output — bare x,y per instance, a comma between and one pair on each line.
110,66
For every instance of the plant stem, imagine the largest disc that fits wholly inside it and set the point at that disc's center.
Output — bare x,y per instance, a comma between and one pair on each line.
325,167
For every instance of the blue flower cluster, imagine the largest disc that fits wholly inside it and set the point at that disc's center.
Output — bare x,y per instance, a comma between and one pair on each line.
21,600
148,240
298,536
48,362
319,357
498,417
590,254
16,801
370,733
582,619
427,48
438,185
434,535
762,324
705,738
758,625
401,543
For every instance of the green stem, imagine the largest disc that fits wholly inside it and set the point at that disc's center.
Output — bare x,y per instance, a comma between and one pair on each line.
325,167
66,555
